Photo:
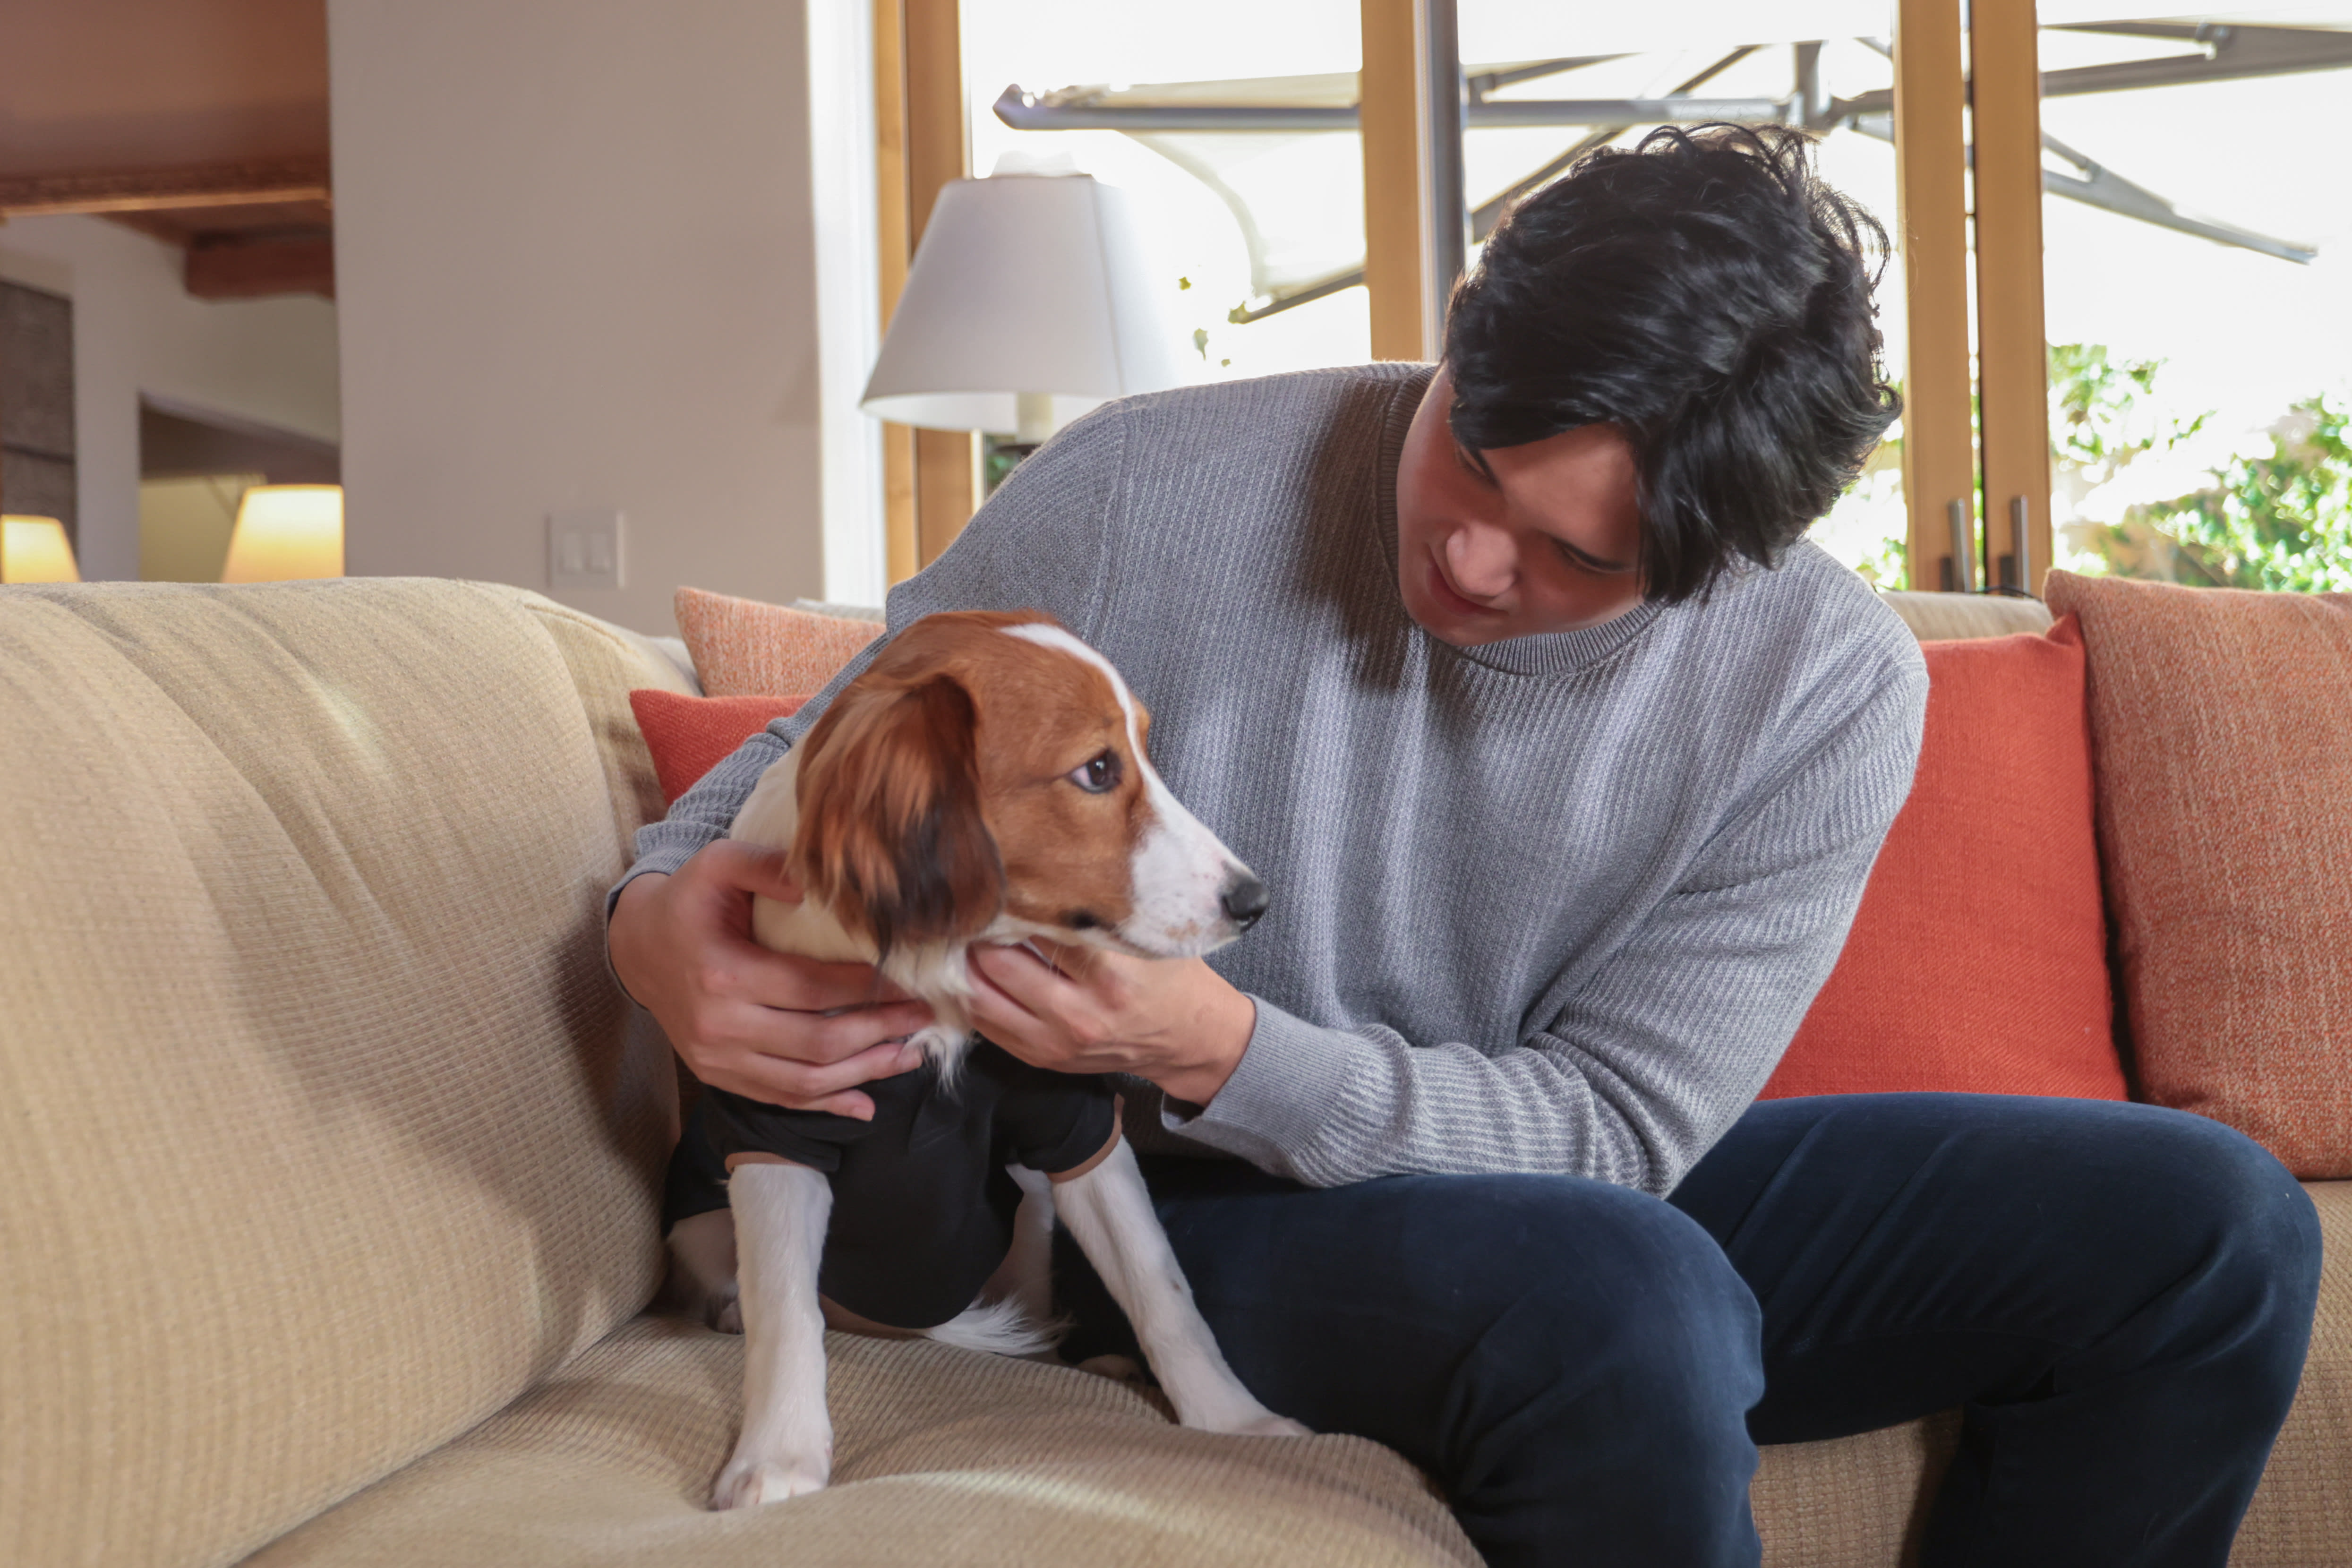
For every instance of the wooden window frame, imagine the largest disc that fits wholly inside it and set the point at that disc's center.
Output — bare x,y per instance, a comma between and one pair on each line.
930,477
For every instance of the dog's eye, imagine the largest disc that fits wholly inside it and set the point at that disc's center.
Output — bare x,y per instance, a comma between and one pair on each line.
1099,777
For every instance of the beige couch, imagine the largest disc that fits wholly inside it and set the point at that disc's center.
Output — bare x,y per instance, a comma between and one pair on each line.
329,1156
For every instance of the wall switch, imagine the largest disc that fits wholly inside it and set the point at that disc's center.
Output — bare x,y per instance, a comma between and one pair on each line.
583,548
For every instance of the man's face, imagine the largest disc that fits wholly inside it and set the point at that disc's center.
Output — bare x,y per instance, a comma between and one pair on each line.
1549,540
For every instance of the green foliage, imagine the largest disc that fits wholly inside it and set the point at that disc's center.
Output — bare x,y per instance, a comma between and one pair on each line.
2278,521
1889,568
2100,410
2283,521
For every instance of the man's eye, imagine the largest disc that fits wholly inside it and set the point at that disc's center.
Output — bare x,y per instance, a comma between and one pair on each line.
1098,776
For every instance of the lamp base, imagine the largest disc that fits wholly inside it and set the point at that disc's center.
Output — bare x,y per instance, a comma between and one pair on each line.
1033,416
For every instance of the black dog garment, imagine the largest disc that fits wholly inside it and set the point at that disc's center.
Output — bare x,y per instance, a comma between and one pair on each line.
922,1207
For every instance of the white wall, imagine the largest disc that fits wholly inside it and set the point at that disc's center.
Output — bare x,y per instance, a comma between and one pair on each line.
137,330
848,295
576,269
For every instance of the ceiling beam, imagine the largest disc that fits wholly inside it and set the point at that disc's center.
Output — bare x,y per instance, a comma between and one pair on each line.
233,266
156,190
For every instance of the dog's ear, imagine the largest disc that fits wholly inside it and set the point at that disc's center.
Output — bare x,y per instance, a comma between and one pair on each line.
891,836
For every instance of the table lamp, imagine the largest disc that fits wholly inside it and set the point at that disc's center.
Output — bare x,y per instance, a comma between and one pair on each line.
1031,300
284,531
35,550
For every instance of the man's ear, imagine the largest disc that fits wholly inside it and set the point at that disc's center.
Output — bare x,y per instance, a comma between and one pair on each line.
891,836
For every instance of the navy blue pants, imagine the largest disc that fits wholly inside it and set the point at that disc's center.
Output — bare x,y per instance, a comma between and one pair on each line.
2119,1296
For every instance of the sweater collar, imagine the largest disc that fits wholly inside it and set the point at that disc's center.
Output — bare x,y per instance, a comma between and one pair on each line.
1548,653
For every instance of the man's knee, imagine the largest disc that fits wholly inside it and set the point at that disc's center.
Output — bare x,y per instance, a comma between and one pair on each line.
2258,1233
1626,1302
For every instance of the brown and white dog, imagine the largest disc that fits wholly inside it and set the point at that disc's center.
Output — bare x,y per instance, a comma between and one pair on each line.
985,781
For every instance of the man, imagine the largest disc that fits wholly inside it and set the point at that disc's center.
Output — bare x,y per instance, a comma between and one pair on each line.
1565,759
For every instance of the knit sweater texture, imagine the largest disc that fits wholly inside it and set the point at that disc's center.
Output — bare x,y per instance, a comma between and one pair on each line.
1554,904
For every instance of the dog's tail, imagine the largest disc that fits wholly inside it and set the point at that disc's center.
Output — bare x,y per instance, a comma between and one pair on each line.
998,1328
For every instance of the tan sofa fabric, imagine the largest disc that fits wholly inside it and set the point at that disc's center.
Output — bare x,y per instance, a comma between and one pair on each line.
942,1457
1938,618
321,1139
608,1464
2302,1517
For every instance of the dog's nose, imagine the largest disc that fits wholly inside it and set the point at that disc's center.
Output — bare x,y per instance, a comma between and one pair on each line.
1244,900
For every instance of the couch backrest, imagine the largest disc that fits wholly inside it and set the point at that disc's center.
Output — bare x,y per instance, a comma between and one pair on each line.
323,1129
1937,617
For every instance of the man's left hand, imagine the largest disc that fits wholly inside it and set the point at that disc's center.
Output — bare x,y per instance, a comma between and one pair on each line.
1174,1021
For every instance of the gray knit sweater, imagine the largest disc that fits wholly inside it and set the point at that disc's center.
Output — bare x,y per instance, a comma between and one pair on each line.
1554,904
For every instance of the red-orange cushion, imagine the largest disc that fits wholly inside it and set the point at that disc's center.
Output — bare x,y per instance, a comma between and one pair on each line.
1978,960
689,736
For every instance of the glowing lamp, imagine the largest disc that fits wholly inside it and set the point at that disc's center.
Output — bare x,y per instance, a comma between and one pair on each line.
35,550
285,532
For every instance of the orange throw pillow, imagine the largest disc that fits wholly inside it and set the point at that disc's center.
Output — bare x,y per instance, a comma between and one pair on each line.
1978,960
689,736
742,647
2221,720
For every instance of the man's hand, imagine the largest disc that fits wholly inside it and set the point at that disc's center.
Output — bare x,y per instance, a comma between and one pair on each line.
748,1020
1174,1021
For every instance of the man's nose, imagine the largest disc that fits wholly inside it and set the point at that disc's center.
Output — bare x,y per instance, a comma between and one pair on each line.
1244,900
1482,558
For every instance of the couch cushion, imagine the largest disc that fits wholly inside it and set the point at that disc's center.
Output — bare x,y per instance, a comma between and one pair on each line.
2302,1516
940,1455
744,647
1935,617
2223,741
1978,961
1860,1502
689,736
323,1136
608,1463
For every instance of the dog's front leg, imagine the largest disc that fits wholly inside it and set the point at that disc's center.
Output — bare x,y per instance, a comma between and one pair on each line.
1108,1210
786,1448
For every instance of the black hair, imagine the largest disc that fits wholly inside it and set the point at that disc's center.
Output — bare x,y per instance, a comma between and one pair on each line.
1706,292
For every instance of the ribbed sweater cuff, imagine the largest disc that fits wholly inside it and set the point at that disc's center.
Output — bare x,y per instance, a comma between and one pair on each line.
666,859
1280,1096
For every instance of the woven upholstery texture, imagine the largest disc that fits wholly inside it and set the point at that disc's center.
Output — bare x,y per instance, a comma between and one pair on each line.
327,1159
2004,780
2302,1517
744,647
2223,742
940,1456
608,1461
321,1134
689,736
1934,617
1851,1502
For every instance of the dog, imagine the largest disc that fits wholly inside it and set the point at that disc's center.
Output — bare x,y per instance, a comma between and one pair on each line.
985,781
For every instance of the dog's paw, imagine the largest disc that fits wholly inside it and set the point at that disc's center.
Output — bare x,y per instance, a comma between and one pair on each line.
748,1483
728,1318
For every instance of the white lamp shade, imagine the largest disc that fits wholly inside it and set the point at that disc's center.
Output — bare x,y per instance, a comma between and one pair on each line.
1024,283
35,550
285,532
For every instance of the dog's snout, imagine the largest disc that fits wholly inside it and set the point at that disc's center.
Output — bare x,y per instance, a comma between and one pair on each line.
1243,901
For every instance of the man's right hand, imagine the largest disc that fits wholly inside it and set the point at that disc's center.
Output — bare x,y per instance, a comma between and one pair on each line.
745,1019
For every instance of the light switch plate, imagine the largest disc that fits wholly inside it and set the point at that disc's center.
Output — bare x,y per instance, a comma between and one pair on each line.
583,548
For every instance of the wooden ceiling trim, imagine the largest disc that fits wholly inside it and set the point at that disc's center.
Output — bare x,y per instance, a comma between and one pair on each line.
155,190
237,266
